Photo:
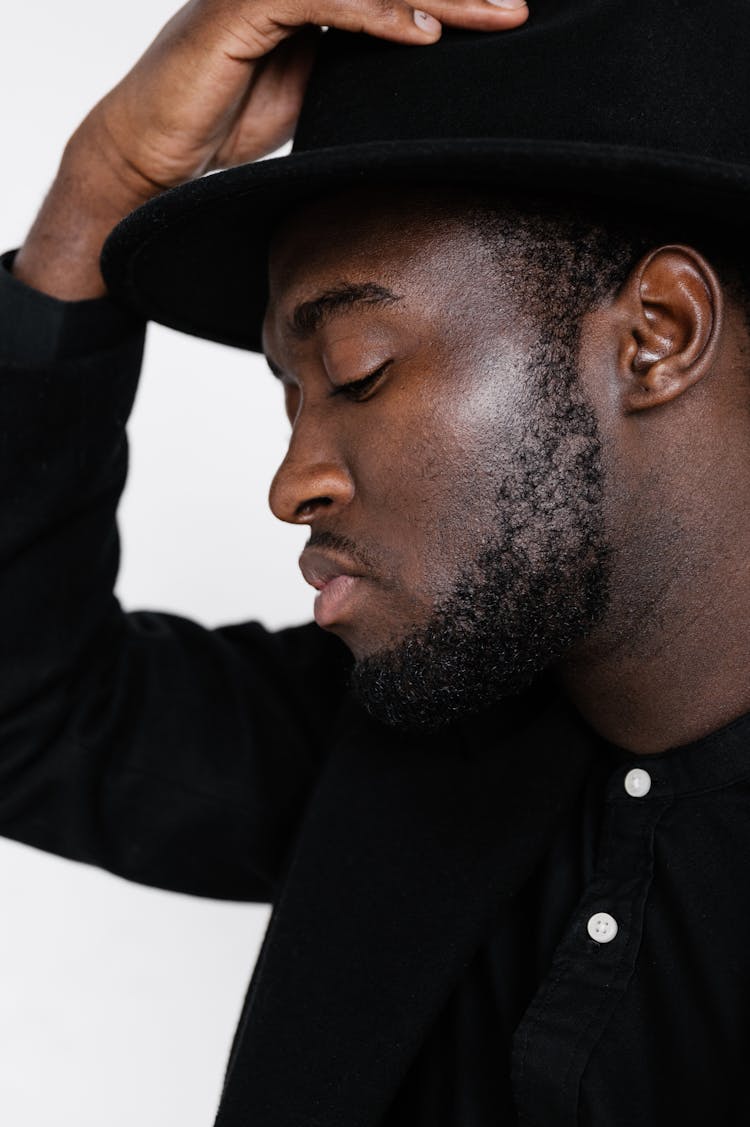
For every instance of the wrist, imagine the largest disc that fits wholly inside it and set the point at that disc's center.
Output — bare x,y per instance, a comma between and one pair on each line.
93,190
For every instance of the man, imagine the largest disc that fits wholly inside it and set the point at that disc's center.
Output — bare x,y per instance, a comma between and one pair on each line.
503,827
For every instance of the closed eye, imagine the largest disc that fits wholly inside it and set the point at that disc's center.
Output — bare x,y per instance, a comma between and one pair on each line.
359,390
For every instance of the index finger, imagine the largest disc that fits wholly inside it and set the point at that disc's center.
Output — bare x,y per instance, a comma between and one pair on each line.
398,20
479,15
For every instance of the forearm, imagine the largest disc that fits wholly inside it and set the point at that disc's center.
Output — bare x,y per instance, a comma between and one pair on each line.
141,742
69,373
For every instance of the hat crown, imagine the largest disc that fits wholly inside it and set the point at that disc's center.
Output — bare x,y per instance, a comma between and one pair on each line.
608,72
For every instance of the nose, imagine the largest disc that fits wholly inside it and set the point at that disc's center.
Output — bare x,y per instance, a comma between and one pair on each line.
309,480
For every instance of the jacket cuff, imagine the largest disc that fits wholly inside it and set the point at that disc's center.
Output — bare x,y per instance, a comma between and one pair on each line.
37,330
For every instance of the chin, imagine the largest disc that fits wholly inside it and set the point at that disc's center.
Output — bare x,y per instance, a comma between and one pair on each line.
363,644
369,638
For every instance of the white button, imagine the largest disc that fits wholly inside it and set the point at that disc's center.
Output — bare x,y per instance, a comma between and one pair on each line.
637,782
602,927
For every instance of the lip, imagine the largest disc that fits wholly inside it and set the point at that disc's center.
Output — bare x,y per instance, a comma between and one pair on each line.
334,600
337,581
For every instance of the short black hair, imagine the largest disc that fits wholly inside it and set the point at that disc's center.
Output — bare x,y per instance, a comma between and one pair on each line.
574,252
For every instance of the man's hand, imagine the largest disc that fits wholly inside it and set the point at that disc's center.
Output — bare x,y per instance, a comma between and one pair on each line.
220,85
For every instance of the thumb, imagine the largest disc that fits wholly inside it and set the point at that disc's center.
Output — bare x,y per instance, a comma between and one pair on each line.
269,111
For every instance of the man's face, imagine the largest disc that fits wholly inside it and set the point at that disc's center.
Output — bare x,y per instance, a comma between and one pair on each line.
454,499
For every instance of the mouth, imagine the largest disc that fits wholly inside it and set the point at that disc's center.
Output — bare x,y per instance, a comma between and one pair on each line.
337,581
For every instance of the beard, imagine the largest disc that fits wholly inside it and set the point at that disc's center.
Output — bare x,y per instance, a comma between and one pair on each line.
539,584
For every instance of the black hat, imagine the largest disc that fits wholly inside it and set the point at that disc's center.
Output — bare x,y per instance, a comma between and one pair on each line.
644,101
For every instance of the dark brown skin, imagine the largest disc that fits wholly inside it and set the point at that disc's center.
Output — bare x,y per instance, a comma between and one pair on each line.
666,366
408,474
379,471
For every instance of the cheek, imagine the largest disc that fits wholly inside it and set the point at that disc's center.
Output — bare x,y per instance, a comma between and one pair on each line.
427,480
465,444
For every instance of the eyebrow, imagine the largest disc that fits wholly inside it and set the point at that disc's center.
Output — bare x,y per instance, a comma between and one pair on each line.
310,316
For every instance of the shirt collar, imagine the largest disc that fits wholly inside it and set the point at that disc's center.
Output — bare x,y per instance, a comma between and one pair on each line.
717,760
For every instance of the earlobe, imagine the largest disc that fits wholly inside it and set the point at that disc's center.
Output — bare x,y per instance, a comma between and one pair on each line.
674,305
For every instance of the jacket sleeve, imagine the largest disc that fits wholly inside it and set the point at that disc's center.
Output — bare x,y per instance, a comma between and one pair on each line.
143,743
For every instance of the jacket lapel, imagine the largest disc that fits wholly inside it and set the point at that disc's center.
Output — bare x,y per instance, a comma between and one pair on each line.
409,849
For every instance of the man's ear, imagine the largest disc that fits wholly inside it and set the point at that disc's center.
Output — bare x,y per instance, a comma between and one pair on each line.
673,308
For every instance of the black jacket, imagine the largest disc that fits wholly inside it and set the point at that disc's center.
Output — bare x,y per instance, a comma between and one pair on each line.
232,763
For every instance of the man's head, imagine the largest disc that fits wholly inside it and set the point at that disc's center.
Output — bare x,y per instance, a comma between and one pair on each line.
500,482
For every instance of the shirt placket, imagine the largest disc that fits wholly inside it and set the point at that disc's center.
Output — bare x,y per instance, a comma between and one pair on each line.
595,959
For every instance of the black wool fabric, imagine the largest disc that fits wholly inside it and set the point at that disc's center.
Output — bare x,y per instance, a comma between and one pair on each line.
430,959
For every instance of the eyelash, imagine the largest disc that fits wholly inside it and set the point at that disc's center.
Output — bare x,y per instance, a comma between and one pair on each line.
356,390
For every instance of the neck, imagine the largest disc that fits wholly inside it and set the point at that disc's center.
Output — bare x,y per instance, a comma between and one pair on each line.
681,667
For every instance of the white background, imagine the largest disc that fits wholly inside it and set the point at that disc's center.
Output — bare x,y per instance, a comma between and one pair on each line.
117,1003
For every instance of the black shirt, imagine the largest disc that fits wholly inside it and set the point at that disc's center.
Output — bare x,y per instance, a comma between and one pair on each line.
645,1024
617,989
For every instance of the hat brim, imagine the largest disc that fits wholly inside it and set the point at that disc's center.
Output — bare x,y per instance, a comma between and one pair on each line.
195,258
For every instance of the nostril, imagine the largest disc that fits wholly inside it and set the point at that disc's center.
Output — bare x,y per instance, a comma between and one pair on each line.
308,508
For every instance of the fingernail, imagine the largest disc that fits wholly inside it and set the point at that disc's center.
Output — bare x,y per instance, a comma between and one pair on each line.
427,22
512,5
